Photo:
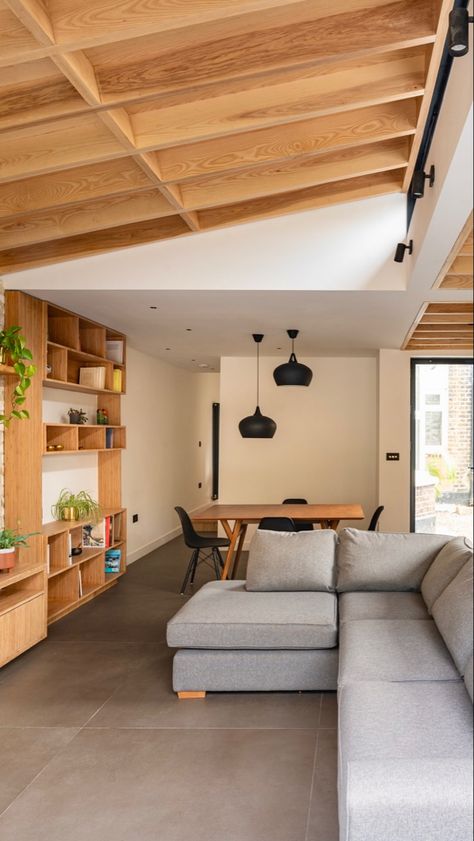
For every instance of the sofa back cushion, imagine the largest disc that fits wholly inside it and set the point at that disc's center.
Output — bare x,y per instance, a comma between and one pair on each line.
444,568
369,560
453,614
302,560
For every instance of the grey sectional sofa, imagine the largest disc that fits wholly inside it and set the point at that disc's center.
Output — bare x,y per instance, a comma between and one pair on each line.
385,619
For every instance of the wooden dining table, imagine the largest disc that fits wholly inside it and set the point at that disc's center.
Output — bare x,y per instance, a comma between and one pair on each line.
328,516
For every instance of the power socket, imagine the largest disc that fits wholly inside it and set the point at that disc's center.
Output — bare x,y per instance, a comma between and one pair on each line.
135,518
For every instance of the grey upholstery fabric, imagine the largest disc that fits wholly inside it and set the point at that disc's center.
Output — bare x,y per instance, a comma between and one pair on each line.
223,614
371,561
287,561
469,677
255,671
409,800
393,650
399,745
448,562
453,614
353,606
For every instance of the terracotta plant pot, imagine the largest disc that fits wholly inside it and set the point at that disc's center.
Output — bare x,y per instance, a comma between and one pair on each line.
7,559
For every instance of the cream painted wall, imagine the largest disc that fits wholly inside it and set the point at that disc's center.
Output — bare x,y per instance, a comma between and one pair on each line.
325,447
167,412
394,436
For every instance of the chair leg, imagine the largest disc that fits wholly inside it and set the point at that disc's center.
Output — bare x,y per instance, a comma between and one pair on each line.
194,568
221,559
188,573
216,564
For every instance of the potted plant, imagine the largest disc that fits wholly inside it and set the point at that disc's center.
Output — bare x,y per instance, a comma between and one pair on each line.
77,416
9,540
13,350
80,506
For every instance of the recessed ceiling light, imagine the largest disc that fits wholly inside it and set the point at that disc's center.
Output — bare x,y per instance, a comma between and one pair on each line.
167,348
203,365
153,308
189,330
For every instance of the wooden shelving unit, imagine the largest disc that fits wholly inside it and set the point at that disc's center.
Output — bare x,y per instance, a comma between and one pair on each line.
75,579
30,595
72,343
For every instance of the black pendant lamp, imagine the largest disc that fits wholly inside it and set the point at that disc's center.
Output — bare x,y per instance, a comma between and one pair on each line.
257,425
293,372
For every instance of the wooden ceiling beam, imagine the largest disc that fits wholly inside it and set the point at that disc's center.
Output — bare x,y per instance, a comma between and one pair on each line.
448,318
352,189
322,169
97,242
457,282
287,142
84,217
174,63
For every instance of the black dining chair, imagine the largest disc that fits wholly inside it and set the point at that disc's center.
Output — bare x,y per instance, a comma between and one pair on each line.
277,524
375,518
208,546
300,525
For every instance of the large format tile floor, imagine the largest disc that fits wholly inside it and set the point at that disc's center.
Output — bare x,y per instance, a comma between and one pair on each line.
94,745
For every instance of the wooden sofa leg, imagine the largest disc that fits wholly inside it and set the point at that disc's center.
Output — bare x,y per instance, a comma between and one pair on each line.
190,695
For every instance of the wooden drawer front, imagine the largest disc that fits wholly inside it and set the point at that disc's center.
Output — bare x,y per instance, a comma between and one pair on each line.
21,628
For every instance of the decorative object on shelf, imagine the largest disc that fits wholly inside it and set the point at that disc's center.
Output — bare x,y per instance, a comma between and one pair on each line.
257,425
9,541
102,417
78,506
293,372
77,416
113,558
117,380
93,535
50,448
13,348
58,447
92,377
76,550
109,439
114,350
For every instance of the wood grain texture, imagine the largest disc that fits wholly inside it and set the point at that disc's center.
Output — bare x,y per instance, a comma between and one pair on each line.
115,114
457,282
299,174
442,326
254,513
300,43
95,242
68,186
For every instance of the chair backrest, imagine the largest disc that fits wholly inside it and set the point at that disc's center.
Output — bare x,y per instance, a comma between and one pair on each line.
189,532
375,518
300,525
277,524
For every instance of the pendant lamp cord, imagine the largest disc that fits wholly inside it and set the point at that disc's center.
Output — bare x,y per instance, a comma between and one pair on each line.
258,372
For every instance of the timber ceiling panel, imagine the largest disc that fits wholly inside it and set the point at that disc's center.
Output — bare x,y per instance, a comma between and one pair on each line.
137,120
457,272
447,326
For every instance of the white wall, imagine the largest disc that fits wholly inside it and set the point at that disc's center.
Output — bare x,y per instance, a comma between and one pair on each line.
394,436
167,411
325,447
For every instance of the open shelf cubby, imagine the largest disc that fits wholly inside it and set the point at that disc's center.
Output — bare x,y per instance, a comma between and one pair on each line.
64,438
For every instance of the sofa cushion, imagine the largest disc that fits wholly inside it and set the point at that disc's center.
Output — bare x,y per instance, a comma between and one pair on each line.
453,614
368,560
393,650
405,767
448,562
288,561
469,677
223,614
353,606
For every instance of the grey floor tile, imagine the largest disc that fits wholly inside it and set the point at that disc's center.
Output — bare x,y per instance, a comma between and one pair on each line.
63,684
146,699
323,823
170,785
329,711
24,752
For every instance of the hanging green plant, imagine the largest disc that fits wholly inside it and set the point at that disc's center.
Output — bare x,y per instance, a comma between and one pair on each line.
13,349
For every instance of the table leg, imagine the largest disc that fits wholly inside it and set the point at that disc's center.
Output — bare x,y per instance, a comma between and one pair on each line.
230,552
333,524
240,546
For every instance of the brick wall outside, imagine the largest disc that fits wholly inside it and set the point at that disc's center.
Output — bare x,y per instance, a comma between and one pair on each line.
460,433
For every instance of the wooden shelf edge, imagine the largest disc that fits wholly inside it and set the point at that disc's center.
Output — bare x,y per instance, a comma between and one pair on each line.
65,386
86,355
17,574
59,526
54,616
8,371
83,450
14,600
